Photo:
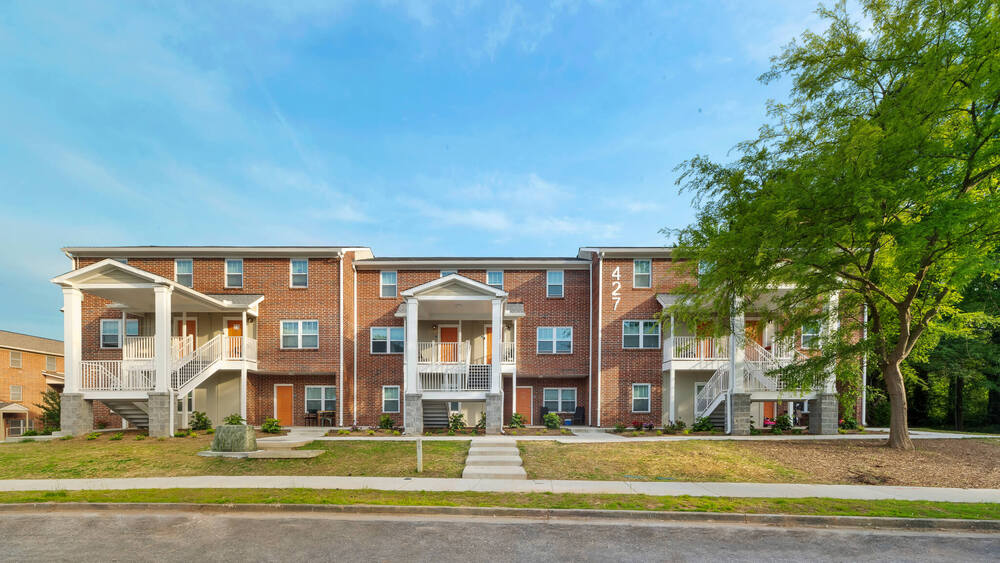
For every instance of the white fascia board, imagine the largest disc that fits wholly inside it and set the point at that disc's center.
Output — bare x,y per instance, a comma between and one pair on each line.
473,264
210,251
454,279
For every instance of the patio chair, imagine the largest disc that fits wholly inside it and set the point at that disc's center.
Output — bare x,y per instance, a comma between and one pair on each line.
545,411
579,417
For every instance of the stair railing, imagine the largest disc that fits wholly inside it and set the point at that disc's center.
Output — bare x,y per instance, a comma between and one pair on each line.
717,385
195,364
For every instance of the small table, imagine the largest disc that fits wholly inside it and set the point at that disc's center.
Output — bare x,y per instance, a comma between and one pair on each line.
325,416
312,419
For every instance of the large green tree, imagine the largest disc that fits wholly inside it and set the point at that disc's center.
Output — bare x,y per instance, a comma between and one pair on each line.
876,180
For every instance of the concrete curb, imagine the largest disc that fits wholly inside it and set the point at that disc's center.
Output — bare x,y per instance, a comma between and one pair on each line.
783,520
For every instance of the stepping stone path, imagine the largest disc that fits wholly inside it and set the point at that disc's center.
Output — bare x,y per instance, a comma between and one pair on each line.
494,458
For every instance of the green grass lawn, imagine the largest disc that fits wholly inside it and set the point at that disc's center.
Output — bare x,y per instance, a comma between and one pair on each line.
813,506
80,458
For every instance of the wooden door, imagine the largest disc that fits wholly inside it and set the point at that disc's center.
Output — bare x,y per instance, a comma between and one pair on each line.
449,343
524,403
489,345
704,343
234,327
283,404
769,410
754,332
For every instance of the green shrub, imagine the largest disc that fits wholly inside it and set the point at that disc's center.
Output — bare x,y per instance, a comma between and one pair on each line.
776,430
848,423
139,437
552,421
385,422
47,431
783,422
619,428
567,431
659,432
343,432
271,426
234,418
66,437
451,432
51,406
395,432
93,435
517,420
181,434
210,431
28,440
703,424
117,436
754,431
30,433
200,421
796,430
456,422
481,425
371,432
102,425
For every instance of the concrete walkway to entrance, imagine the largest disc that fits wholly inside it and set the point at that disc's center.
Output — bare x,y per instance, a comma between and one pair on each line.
758,490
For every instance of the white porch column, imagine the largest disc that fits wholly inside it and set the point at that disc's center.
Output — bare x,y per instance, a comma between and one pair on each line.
161,338
737,348
832,326
496,378
243,368
513,375
72,340
669,353
410,358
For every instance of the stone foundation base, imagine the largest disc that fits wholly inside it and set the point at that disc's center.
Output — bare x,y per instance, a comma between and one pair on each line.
740,415
494,413
823,414
159,407
413,414
76,415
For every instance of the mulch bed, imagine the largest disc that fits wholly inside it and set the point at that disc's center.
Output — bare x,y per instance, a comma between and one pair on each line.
538,432
380,432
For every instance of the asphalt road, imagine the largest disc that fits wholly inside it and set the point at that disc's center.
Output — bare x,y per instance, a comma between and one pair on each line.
172,536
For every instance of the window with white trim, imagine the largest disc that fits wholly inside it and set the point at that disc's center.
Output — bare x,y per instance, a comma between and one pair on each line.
387,340
641,334
16,393
387,283
494,278
234,272
111,333
554,283
554,340
299,335
131,327
810,334
190,403
445,273
390,398
642,273
15,358
50,363
184,271
640,397
299,272
321,398
559,399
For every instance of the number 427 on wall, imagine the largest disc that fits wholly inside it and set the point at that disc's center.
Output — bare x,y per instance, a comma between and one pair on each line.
616,286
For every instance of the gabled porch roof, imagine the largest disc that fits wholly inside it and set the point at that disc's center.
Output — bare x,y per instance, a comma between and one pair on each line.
454,286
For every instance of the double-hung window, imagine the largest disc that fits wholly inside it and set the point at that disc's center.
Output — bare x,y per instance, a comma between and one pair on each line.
387,284
810,334
390,398
640,397
555,340
299,272
642,273
111,333
387,340
445,273
299,334
640,334
494,278
559,399
554,283
16,393
321,398
131,327
15,358
50,363
234,272
184,271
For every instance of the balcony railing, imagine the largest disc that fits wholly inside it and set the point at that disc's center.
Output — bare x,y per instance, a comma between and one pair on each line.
443,352
475,378
115,375
696,348
509,352
144,347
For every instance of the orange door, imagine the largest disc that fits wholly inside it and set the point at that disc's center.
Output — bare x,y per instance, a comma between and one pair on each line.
489,345
283,404
234,328
449,351
524,403
754,332
704,344
769,410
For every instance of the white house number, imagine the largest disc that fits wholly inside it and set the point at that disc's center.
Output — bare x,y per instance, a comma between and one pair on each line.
616,286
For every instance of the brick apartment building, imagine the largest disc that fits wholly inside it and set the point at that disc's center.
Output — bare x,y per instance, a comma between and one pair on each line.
335,336
29,366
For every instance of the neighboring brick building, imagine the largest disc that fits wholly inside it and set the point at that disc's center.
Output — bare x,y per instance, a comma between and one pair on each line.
336,336
29,366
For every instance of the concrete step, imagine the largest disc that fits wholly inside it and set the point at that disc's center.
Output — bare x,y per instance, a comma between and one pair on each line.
284,454
267,444
494,472
493,442
493,450
493,460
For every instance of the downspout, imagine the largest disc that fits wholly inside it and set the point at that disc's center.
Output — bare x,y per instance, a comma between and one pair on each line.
354,388
600,330
864,371
340,320
590,339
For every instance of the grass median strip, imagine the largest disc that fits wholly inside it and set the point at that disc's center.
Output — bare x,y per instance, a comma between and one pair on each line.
804,506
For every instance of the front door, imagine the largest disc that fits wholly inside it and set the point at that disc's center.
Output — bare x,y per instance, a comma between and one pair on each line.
524,403
769,410
754,332
448,337
234,327
489,345
283,404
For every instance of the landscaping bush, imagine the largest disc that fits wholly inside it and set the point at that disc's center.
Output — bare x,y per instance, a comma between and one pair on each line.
796,430
47,431
677,426
117,436
181,434
385,422
210,431
703,424
848,423
517,420
93,435
51,406
619,428
234,418
783,422
271,426
481,425
456,421
66,437
637,425
200,421
139,437
30,433
552,421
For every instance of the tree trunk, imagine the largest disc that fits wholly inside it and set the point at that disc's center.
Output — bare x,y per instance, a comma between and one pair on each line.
899,429
959,406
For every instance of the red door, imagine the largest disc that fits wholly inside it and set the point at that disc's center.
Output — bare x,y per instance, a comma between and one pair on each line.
283,404
449,344
234,328
524,403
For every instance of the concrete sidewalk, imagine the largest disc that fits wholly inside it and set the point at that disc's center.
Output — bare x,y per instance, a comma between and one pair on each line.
657,488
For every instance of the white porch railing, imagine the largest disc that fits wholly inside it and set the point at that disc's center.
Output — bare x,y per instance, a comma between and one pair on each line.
509,352
443,352
762,367
475,377
115,375
708,398
697,348
144,347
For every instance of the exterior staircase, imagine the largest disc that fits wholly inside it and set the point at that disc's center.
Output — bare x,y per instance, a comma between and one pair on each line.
435,414
132,411
494,458
718,416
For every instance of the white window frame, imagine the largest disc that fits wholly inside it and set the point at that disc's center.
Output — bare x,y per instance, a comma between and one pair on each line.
292,274
20,361
814,335
561,284
299,323
500,272
635,262
398,399
648,398
20,393
100,334
388,340
226,274
559,399
176,274
554,340
642,334
322,397
382,285
138,326
445,273
54,361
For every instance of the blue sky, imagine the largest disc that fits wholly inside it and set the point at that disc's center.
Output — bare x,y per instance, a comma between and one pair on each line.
416,128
